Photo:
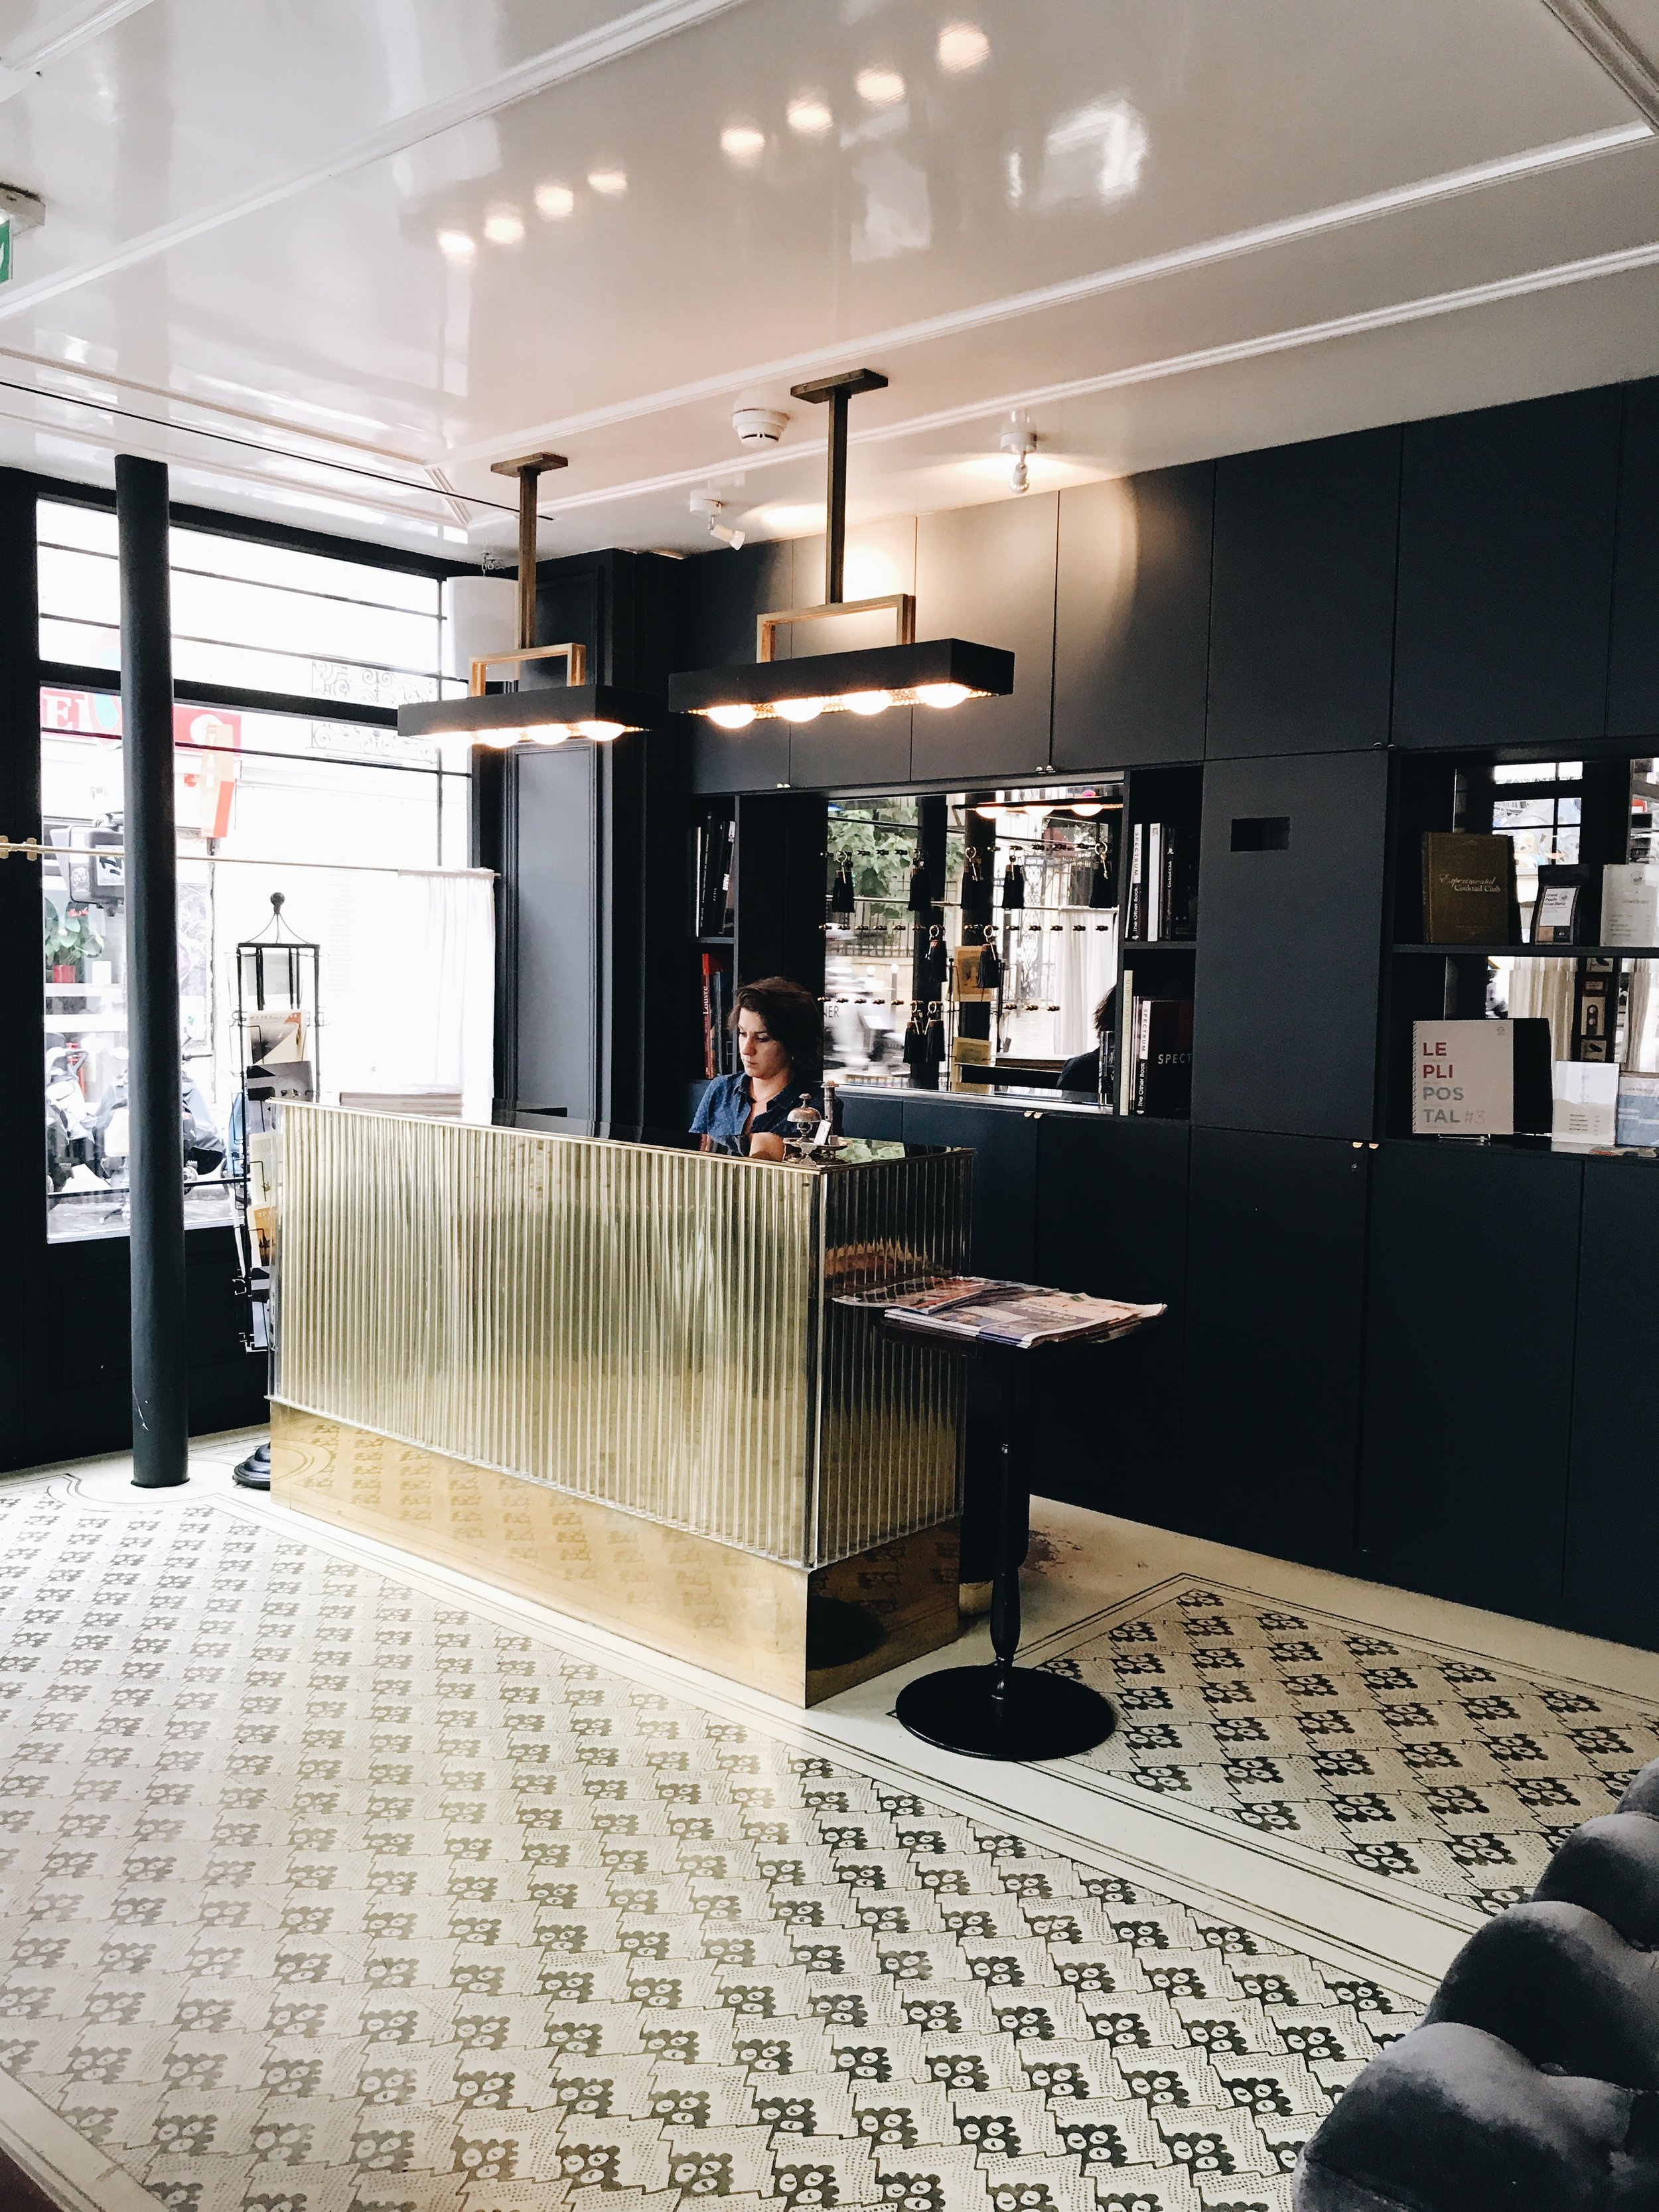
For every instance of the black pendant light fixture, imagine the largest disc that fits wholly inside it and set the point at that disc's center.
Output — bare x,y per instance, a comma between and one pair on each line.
541,713
940,671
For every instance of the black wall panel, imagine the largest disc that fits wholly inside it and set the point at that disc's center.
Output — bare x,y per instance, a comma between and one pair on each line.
551,918
1633,664
722,597
1472,1281
1612,1503
1289,944
1275,1310
988,573
1131,618
1506,548
882,1118
1004,1144
1302,615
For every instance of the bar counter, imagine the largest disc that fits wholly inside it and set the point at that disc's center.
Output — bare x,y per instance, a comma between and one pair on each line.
606,1369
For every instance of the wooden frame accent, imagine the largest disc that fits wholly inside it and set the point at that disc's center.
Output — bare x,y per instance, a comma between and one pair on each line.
902,605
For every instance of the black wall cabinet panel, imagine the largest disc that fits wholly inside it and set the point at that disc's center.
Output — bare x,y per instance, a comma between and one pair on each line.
1004,1145
1302,617
1613,1502
1276,1302
1111,1219
853,752
1469,1373
1633,664
988,573
1506,543
1131,618
552,924
780,888
1289,944
880,1118
723,596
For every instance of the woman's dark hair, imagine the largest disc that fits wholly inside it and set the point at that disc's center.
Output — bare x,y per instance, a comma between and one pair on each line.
1106,1013
793,1017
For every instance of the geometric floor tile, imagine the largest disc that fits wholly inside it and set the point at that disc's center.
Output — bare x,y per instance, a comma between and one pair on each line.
1448,1772
322,1896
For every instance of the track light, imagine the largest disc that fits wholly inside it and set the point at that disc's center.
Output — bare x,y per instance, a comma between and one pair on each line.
1019,439
711,509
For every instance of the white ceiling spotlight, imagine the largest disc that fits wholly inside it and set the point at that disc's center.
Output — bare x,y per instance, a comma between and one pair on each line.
1019,439
758,426
711,506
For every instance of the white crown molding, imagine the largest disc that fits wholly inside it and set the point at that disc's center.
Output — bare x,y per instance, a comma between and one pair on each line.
642,27
1612,50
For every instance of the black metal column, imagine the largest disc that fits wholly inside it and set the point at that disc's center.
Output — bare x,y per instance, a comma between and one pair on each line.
161,1411
24,1298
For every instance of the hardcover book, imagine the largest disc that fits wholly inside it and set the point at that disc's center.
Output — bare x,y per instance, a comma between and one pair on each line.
1462,1079
1162,1077
1637,1111
1468,888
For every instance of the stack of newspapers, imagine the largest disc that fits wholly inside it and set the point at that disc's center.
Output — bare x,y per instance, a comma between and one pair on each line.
982,1309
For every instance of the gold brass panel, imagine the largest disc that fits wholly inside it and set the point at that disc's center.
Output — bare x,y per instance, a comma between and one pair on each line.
801,1634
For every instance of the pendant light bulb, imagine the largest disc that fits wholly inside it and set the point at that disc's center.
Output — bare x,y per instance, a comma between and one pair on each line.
600,732
545,733
801,710
867,702
735,717
942,694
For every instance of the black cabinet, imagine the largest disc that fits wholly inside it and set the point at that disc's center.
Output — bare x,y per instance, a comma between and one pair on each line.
988,573
1111,1219
550,1052
873,1115
1290,944
1612,1503
722,598
1131,618
1633,664
1472,1281
1275,1311
1003,1140
1506,549
1301,613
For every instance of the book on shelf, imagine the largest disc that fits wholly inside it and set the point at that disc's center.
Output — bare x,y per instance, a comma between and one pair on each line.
716,847
1468,889
1557,912
1636,1114
982,1309
1163,881
1161,1069
1480,1078
1630,902
716,1006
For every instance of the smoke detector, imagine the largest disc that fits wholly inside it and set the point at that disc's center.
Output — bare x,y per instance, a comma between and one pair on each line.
758,426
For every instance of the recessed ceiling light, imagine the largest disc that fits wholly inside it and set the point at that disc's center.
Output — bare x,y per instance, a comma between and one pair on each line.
742,141
554,201
880,87
504,225
613,183
810,117
457,245
962,46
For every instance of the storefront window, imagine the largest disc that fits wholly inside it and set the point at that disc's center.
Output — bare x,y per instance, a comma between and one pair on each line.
363,832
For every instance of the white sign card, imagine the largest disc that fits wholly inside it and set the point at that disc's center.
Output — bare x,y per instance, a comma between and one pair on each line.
1463,1079
1586,1110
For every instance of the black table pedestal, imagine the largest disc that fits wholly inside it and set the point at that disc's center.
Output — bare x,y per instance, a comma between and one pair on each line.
1005,1711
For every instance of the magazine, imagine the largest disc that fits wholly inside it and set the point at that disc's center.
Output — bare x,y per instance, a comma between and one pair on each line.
1018,1315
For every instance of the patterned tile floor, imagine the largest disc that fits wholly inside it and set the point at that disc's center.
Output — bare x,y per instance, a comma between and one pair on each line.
321,1895
1447,1773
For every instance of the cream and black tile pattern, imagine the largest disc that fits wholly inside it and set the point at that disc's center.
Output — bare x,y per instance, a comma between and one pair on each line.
323,1896
1429,1766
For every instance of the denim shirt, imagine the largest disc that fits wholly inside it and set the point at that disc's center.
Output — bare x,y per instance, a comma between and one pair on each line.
723,1109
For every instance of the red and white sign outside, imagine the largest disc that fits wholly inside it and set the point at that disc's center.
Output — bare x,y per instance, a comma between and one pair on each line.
207,786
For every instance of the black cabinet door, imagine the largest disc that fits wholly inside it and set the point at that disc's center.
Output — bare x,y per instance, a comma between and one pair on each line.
1302,617
1131,618
1505,592
1004,1144
553,1050
871,1116
1612,1507
1633,664
988,573
1111,1219
1275,1313
1290,944
723,595
1472,1283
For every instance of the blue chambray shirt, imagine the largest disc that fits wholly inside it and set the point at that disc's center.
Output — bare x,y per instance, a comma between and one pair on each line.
724,1107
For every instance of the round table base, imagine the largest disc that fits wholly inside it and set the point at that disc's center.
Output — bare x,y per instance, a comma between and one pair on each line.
1037,1716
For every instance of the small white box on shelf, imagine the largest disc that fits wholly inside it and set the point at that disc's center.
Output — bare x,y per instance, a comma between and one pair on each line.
1630,902
1586,1102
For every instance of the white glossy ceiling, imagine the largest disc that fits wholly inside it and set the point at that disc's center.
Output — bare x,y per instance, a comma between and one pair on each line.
331,261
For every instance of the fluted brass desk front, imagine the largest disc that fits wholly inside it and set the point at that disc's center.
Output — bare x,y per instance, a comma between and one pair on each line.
608,1372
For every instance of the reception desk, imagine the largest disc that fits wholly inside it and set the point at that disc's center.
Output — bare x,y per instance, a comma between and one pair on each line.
608,1371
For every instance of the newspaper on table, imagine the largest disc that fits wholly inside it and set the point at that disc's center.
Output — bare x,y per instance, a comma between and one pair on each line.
982,1309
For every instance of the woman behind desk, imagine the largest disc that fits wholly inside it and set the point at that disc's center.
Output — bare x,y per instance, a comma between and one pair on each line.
780,1032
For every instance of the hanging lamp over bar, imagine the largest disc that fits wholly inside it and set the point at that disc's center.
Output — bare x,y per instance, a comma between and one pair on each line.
938,672
538,713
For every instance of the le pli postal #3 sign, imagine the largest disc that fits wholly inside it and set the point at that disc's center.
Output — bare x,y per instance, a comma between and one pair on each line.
1463,1079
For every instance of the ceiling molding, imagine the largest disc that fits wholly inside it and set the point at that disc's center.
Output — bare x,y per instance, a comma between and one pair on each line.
1612,50
72,27
574,57
1341,215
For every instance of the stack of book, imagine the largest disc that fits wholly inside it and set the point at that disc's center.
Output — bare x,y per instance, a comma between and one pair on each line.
717,1040
1162,882
1157,1076
717,837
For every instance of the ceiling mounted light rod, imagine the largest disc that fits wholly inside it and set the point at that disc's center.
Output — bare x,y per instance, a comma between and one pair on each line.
836,392
543,714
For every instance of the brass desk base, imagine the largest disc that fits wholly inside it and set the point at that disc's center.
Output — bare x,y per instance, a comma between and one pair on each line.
802,1634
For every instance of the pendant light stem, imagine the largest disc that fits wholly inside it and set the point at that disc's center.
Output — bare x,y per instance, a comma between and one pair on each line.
835,535
529,477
